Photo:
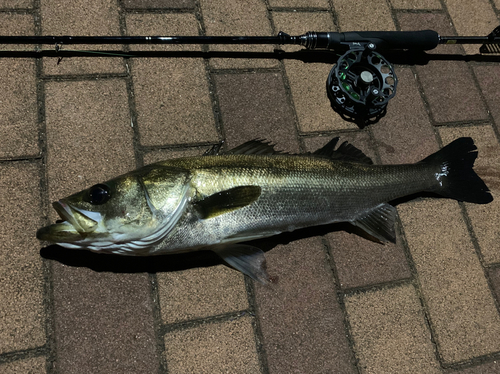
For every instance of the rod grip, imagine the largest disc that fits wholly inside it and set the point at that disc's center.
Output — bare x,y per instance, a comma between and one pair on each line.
418,40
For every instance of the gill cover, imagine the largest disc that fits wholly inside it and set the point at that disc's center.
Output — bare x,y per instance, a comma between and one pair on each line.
124,215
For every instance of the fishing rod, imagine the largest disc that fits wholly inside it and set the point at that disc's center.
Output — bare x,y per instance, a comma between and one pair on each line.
359,85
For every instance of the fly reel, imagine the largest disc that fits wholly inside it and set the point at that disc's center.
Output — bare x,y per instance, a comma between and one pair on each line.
361,84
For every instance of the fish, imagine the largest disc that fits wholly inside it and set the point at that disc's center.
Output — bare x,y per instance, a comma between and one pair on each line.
222,199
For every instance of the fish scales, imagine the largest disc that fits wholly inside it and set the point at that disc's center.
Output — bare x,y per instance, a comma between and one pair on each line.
221,200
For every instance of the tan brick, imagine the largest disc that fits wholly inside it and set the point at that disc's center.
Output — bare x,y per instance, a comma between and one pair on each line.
390,333
201,292
359,15
173,102
16,4
299,4
87,121
164,154
18,108
405,135
162,24
224,347
481,21
14,25
461,308
28,366
81,17
21,274
416,4
228,18
484,218
307,80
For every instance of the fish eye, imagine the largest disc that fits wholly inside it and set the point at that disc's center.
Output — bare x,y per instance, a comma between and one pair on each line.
99,194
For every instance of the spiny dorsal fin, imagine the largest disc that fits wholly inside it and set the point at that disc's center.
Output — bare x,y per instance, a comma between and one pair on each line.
345,152
378,222
226,201
215,150
255,147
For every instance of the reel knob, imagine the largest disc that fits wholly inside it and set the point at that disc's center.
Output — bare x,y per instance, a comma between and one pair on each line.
361,84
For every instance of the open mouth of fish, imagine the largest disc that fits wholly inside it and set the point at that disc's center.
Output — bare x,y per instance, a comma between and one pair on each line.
75,225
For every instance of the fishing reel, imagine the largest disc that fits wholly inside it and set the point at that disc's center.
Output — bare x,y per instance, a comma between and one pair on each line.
361,84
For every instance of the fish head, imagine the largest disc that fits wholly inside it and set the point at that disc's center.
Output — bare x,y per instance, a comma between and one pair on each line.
126,215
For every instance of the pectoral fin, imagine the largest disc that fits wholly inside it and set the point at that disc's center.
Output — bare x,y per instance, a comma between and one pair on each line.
378,222
227,201
245,258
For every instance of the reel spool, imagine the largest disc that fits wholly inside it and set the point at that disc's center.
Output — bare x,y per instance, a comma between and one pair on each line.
361,84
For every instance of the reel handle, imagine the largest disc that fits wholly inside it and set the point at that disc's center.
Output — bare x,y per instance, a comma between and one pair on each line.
420,40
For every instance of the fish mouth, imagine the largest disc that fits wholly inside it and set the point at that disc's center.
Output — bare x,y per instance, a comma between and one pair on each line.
76,225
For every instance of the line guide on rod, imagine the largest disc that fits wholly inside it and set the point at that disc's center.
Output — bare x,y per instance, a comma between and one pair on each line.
360,84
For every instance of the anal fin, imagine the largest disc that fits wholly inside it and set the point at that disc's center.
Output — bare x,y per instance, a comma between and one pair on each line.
378,222
245,258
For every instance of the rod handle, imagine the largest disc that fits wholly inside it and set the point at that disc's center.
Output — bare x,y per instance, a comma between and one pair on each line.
418,40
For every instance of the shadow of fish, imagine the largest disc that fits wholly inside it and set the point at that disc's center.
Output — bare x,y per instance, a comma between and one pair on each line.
221,199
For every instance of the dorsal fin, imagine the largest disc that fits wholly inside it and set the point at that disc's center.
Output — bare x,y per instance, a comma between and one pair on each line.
345,152
215,150
255,147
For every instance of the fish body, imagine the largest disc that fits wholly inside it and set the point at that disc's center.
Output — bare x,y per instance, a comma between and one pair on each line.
219,200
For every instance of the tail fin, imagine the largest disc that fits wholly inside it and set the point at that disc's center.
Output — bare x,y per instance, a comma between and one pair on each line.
456,177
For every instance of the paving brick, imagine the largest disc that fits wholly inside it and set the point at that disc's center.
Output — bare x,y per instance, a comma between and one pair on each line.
419,4
221,347
18,109
405,134
254,105
461,309
307,80
301,321
484,218
172,101
361,262
21,275
489,81
230,18
359,15
81,17
105,316
164,154
201,292
16,4
14,25
28,366
479,22
87,123
103,322
390,333
446,83
162,24
299,4
484,368
159,4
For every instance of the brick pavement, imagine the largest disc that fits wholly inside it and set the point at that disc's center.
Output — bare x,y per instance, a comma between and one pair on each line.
340,303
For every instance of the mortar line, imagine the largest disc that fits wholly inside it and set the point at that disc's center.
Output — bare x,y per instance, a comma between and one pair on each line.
211,73
465,215
400,228
197,322
340,296
23,354
286,82
48,291
139,159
